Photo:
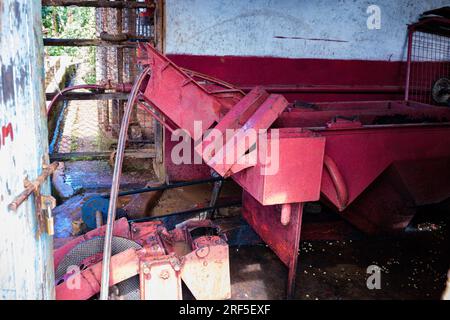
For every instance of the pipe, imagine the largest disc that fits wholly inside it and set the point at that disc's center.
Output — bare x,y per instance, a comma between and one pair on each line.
191,211
77,87
104,291
338,181
118,87
167,186
219,82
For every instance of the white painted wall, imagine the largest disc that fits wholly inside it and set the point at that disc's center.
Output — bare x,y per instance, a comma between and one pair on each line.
26,261
250,28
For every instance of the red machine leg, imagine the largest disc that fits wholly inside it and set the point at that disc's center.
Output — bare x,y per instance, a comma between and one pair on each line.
296,220
284,240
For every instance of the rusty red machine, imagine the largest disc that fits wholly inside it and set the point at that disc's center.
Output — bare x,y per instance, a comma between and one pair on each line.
150,263
375,162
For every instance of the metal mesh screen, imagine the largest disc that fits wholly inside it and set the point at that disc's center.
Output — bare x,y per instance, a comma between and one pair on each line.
127,289
430,61
120,65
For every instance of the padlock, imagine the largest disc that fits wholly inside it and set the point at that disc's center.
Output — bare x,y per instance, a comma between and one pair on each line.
48,203
49,221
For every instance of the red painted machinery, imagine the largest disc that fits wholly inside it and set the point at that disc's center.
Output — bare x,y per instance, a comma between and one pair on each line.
374,162
149,262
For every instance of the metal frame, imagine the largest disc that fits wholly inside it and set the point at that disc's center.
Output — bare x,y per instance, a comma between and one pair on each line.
347,146
428,45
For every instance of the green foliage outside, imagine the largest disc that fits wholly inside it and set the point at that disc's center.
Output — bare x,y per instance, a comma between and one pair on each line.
71,23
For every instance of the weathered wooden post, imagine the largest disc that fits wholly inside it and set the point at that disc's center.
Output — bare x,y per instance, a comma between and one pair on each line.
26,268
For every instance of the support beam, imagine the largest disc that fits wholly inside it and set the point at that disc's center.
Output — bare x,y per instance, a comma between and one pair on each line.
131,43
71,156
97,4
89,96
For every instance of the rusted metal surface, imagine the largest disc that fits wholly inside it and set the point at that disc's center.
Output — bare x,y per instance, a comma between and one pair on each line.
33,186
142,153
89,96
132,24
158,279
159,92
118,87
141,204
23,148
206,270
167,257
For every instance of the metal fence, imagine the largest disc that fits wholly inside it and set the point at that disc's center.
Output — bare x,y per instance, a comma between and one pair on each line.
429,67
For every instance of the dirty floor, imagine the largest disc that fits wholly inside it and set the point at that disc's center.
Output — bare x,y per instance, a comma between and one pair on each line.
413,265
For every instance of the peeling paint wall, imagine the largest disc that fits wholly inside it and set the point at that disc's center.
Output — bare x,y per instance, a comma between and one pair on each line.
322,29
26,261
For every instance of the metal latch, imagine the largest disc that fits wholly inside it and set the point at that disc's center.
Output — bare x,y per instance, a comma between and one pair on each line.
44,203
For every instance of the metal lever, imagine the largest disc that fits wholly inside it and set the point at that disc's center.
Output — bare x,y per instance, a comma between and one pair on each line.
214,196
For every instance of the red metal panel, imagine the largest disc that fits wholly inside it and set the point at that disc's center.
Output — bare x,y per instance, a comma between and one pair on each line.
363,154
170,90
206,269
299,173
426,180
369,113
385,206
183,171
390,202
257,111
266,71
284,240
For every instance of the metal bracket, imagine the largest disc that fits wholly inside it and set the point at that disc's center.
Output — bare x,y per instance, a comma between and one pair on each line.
44,203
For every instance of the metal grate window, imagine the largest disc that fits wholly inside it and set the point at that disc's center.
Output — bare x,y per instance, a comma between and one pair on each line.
429,62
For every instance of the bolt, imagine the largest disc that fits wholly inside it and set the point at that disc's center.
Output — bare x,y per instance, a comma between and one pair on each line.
164,275
176,267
